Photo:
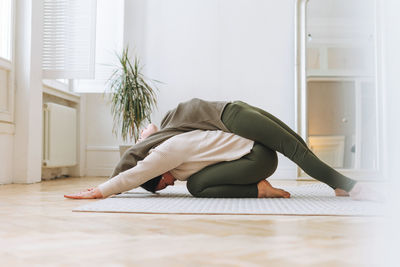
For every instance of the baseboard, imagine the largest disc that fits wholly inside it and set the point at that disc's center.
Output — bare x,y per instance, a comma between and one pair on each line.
101,160
102,148
6,158
101,172
5,180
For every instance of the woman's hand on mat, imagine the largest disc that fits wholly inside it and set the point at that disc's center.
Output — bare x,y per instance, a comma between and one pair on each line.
90,193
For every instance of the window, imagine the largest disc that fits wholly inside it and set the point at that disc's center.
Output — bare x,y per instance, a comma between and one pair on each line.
80,40
5,29
109,40
69,28
6,61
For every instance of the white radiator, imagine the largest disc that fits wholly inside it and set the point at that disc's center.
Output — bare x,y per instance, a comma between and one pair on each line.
59,136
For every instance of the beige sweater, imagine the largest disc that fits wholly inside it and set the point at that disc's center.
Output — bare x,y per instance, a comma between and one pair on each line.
182,155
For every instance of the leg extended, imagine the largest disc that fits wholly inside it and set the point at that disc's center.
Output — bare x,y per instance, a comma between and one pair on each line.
249,122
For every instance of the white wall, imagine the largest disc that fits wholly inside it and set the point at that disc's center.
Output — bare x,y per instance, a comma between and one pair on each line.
215,50
224,50
21,136
102,152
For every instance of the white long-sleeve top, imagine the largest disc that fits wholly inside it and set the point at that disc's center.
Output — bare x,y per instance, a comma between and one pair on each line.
182,155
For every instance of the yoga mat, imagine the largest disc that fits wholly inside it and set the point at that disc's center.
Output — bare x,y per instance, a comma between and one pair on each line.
313,199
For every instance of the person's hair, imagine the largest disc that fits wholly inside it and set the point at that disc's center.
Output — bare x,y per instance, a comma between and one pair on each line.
151,184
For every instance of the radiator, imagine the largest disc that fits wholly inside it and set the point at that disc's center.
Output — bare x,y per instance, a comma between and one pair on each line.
59,136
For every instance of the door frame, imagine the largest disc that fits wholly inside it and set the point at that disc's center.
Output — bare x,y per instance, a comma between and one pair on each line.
300,88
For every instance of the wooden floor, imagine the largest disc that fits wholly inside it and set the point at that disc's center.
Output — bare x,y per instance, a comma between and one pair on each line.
37,227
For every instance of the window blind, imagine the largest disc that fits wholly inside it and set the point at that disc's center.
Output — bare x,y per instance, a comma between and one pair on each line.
69,33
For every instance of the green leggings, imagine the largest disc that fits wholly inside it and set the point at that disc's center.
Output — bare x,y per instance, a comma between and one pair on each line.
258,125
236,178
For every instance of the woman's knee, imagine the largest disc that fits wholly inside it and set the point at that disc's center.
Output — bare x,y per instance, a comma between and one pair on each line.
265,160
194,187
271,164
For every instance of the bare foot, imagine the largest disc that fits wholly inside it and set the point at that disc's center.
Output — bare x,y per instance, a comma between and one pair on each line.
266,190
341,193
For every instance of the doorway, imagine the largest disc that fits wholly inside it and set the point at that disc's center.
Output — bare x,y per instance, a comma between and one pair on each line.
336,88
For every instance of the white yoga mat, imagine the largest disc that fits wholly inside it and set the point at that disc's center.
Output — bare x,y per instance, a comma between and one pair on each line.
314,199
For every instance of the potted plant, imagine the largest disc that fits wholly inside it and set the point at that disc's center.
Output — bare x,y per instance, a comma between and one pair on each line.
132,98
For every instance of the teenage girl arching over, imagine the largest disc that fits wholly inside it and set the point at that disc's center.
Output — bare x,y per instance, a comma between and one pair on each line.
250,123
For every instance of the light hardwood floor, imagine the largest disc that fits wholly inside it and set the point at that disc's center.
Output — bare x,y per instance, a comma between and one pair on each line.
37,227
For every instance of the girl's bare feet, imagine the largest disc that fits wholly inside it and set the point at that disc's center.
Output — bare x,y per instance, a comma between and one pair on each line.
266,190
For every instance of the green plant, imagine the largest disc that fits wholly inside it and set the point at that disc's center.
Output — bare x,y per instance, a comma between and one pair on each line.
132,97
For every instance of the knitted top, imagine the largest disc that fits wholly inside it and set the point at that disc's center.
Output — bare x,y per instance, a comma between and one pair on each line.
182,155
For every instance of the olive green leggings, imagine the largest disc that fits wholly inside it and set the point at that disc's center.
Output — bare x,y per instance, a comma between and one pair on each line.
236,178
258,125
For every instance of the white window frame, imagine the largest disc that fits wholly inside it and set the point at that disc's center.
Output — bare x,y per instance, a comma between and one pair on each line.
7,113
105,60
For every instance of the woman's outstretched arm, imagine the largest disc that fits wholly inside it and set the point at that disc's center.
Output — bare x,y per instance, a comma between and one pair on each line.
165,157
